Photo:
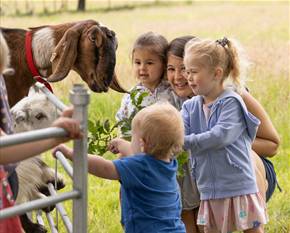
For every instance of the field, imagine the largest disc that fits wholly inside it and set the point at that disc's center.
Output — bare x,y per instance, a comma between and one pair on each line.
263,29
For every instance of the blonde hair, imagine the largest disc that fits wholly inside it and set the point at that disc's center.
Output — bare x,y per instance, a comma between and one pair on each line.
161,127
225,53
4,54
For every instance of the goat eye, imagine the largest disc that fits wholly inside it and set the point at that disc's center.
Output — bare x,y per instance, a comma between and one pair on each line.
19,119
40,116
92,38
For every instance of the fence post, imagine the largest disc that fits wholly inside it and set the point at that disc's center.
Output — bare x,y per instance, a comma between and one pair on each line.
79,97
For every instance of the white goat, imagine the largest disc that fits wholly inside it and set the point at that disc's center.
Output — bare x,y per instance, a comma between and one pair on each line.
34,112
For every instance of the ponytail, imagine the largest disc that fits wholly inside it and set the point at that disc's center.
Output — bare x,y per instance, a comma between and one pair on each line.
234,65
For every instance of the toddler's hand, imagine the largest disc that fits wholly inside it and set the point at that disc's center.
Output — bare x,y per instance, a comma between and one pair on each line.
114,145
66,151
120,146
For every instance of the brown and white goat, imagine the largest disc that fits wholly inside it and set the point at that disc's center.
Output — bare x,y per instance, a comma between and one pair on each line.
85,47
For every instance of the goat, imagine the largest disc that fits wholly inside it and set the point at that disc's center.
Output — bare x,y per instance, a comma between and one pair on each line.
34,112
85,46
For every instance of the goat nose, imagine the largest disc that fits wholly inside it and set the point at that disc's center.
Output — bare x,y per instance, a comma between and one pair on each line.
98,88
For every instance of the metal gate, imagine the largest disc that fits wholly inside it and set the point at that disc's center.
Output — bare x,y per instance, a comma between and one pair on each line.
79,97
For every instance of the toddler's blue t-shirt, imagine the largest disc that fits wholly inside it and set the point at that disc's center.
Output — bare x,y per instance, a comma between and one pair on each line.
150,198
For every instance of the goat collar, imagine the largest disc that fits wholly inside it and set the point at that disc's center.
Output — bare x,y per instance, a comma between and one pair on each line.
30,62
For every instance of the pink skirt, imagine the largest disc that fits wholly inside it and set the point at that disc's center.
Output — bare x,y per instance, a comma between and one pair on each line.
234,213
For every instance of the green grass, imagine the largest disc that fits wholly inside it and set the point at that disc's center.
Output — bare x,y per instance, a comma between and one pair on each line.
263,29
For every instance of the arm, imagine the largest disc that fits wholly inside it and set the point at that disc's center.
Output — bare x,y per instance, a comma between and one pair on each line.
121,146
267,140
97,165
103,168
228,128
12,154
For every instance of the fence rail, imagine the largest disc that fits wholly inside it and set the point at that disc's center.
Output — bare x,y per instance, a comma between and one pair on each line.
38,204
25,137
79,97
34,7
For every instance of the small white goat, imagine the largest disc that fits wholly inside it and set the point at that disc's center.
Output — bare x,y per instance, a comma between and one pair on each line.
34,112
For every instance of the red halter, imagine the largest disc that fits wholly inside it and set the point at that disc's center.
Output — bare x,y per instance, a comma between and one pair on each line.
30,62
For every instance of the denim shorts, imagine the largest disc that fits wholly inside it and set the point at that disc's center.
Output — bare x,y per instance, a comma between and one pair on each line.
271,177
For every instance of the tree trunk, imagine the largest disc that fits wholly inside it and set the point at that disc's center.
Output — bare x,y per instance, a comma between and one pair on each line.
81,5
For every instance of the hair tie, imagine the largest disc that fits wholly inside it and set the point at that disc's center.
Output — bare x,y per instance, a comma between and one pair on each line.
223,42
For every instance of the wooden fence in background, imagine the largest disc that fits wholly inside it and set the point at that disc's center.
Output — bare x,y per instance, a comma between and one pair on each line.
46,7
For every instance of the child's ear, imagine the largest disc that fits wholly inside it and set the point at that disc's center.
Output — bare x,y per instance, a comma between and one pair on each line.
218,74
142,145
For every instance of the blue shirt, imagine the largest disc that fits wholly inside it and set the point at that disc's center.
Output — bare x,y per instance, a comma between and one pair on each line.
221,146
150,198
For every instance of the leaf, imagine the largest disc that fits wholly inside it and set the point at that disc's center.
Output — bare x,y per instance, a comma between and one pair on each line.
92,148
182,158
106,125
91,127
141,98
100,133
132,96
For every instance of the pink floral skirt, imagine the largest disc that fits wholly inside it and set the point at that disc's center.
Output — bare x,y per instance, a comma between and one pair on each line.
234,213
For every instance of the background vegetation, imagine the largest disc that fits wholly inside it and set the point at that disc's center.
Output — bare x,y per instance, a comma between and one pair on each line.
263,29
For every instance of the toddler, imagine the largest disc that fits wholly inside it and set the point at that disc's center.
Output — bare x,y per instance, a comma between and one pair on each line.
150,194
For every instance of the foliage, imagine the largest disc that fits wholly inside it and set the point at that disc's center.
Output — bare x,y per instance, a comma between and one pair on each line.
100,134
182,158
136,99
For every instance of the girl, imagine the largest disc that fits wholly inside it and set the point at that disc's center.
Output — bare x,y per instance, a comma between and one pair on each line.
150,195
149,64
219,131
265,143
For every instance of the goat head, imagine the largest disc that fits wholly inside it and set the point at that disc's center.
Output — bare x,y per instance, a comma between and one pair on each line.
90,50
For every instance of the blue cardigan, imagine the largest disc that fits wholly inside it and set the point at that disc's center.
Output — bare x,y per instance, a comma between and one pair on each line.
221,146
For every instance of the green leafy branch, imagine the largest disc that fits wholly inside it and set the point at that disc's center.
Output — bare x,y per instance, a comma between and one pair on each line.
125,124
101,133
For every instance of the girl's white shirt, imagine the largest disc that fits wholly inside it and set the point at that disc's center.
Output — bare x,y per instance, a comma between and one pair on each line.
162,93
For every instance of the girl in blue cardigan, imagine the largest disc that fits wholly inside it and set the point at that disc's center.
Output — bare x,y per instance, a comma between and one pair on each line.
219,132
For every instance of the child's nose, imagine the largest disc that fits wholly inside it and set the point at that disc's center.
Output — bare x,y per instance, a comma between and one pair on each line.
143,67
188,76
179,75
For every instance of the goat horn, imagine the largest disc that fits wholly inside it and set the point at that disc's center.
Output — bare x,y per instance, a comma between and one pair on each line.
116,86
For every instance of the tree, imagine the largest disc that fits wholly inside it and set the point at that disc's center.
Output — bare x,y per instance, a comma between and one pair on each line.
81,5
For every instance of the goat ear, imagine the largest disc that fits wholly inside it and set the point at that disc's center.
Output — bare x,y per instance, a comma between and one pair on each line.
64,55
33,90
96,35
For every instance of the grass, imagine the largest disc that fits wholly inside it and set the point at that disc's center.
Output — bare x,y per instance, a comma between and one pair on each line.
263,29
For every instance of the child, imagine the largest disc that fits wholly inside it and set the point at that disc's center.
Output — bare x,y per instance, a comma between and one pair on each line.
149,65
10,155
219,131
150,195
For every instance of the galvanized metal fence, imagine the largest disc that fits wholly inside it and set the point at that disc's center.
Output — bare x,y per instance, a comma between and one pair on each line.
79,97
